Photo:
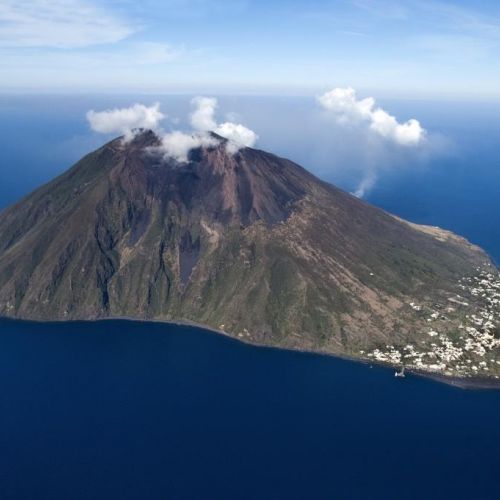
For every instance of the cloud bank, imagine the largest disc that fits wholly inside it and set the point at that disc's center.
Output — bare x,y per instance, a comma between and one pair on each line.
125,120
342,102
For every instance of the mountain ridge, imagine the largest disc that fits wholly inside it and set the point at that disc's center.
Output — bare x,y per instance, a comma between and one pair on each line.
245,242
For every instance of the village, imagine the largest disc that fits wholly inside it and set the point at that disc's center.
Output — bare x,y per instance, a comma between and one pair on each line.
472,350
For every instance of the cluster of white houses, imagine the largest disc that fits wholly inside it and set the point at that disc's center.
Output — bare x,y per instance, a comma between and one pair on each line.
474,349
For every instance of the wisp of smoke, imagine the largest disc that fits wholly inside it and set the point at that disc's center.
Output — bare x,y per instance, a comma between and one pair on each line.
175,144
351,134
203,119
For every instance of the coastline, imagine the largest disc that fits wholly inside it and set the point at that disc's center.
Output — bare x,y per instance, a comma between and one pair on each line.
465,383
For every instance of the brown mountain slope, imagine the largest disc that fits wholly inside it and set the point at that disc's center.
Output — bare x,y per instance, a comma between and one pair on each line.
248,243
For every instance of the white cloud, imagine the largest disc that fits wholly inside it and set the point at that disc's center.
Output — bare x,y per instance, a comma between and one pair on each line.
203,119
342,102
125,120
178,144
238,135
366,139
58,24
175,144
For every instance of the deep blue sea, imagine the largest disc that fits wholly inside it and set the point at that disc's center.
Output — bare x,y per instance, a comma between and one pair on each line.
131,410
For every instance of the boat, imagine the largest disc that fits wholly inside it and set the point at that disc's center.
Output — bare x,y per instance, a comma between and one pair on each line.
400,373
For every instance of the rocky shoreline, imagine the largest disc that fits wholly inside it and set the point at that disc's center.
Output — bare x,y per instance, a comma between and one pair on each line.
463,382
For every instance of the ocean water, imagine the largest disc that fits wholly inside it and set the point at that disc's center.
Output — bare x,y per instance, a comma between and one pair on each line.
131,410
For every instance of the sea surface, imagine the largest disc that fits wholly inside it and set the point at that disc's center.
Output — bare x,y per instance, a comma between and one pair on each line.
134,410
131,410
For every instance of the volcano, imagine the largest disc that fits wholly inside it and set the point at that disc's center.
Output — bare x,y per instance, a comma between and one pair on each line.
245,242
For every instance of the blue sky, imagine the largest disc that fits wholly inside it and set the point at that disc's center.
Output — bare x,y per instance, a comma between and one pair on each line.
415,48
